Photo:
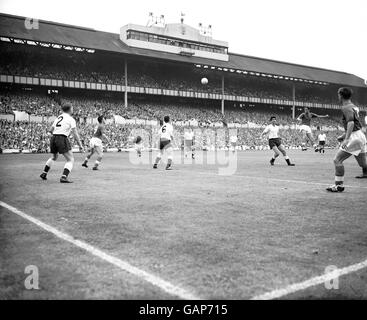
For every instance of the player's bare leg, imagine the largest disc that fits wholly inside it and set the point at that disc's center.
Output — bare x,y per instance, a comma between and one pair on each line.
48,166
340,157
99,157
85,163
157,160
284,153
68,167
362,161
276,155
309,139
304,144
170,158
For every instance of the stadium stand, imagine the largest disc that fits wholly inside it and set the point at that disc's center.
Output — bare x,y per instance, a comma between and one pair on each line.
134,88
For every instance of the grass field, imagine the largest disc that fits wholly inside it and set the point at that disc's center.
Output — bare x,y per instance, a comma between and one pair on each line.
215,236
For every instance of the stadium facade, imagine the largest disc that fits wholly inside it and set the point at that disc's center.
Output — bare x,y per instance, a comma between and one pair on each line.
177,48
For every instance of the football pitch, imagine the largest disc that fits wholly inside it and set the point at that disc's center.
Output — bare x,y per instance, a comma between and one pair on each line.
130,232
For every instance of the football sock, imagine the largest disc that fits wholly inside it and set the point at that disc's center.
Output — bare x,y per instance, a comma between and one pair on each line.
97,163
157,160
48,165
65,172
67,168
169,163
339,180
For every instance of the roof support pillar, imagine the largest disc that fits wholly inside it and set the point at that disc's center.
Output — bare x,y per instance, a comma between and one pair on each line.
293,101
125,70
222,95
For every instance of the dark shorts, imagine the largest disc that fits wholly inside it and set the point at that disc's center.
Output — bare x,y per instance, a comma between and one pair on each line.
59,144
188,143
275,142
321,143
164,144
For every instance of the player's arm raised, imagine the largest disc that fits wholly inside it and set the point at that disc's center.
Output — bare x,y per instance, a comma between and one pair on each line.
77,138
320,115
300,117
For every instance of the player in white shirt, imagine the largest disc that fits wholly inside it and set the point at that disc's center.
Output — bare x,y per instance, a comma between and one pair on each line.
275,143
59,143
166,137
233,142
189,142
322,141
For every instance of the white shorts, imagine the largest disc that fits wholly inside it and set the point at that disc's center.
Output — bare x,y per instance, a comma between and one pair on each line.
95,143
305,128
138,146
357,143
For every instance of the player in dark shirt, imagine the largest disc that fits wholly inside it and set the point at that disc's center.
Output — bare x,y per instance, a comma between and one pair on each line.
305,119
353,141
96,144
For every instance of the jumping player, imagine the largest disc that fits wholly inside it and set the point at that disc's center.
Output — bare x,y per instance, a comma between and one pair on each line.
166,137
275,143
59,143
353,141
189,142
96,144
305,127
322,141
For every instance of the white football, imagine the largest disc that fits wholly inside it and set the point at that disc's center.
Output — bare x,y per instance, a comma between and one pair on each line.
204,81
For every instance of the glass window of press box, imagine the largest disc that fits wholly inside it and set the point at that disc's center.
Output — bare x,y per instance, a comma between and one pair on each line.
142,36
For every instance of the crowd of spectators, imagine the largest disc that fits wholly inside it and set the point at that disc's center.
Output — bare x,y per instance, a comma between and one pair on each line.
23,60
23,135
196,113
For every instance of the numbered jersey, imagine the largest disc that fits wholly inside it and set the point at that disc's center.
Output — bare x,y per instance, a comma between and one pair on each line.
351,113
166,131
63,125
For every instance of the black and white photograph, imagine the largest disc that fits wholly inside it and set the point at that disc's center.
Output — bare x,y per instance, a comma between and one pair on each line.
188,150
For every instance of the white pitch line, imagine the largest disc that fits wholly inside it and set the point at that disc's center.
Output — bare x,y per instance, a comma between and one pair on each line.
280,180
123,265
278,293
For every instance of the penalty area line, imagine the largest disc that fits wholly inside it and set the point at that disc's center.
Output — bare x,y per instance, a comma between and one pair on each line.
278,293
123,265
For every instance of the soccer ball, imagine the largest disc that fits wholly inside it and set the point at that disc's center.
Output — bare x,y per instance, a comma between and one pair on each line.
204,81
